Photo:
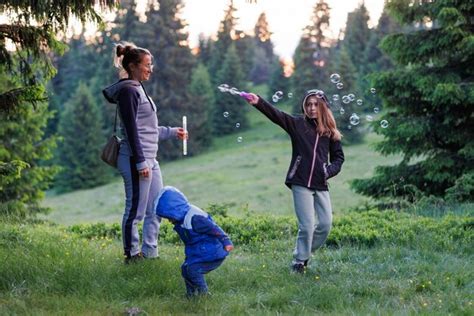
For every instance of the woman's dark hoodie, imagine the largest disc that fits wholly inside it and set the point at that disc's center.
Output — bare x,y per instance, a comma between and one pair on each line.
315,158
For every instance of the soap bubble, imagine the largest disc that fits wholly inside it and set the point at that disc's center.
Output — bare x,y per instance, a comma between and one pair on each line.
354,119
349,126
383,123
239,139
376,110
351,96
342,111
335,97
290,95
373,91
279,94
359,101
369,118
226,114
335,78
275,98
346,99
319,94
237,125
339,85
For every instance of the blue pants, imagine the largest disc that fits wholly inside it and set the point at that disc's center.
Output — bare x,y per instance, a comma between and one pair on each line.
140,193
193,275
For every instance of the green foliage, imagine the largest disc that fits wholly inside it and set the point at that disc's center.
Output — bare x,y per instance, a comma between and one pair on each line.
22,149
364,229
263,56
224,40
231,74
349,74
463,188
80,127
429,104
278,81
34,31
164,34
200,111
357,35
401,263
311,55
32,27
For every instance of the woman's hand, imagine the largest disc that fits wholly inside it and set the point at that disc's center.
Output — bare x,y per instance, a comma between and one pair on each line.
145,172
229,248
182,134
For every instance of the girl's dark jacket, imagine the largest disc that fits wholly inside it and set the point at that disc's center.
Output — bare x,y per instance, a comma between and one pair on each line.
315,158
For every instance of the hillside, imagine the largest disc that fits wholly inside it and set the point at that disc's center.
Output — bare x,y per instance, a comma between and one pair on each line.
240,175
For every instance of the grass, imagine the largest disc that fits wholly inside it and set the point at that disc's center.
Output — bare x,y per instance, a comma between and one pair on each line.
246,175
46,270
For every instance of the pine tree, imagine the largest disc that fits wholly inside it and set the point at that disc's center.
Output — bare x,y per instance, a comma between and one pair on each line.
278,80
263,36
429,101
23,178
261,67
344,67
200,112
224,40
374,58
230,74
263,55
164,35
80,127
25,73
357,34
204,49
311,55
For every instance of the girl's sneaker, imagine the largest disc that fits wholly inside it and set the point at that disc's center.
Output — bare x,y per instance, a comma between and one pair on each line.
298,267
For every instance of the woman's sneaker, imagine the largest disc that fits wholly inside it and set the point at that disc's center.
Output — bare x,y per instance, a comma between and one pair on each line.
135,258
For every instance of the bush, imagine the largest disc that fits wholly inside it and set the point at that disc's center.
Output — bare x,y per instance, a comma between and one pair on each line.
361,229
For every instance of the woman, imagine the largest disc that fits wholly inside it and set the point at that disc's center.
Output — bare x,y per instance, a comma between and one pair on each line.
314,138
137,156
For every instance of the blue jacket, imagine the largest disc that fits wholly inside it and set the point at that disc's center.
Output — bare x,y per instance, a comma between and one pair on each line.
204,240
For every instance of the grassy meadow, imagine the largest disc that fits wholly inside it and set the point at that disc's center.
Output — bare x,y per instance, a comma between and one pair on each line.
244,176
413,265
374,263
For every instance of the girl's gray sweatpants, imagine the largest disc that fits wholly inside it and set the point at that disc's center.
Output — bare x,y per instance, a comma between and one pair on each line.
140,193
314,212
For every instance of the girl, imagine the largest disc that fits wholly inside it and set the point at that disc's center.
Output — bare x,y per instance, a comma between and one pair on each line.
317,156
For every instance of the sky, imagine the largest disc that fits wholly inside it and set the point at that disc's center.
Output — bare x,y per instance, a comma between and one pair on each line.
286,18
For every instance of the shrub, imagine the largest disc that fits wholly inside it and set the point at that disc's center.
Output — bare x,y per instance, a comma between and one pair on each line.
361,229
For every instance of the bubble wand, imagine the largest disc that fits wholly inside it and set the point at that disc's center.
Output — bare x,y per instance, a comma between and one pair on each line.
185,141
245,95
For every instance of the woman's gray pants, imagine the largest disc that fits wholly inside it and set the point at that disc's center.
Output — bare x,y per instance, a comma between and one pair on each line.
314,213
140,194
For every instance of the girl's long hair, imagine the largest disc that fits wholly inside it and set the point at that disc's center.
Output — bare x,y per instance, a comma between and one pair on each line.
326,122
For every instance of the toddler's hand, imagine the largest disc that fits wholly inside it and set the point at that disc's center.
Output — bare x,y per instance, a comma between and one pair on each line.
229,248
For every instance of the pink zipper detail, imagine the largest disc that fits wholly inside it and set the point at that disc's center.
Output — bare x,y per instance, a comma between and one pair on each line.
314,159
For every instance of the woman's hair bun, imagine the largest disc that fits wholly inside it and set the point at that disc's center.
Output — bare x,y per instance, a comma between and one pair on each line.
122,49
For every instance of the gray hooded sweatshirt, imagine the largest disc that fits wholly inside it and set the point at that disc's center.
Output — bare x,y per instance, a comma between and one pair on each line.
139,122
